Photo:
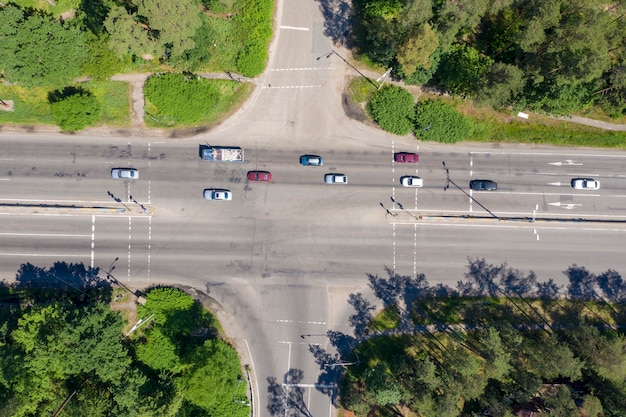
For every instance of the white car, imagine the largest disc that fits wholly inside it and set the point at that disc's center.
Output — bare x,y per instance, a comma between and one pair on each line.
217,194
121,173
585,184
411,181
335,179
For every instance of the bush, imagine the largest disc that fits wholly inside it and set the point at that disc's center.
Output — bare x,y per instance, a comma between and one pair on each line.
251,60
186,99
393,109
73,109
439,122
254,28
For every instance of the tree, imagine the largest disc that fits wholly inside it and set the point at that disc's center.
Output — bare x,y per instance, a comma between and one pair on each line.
561,403
37,50
174,310
59,348
393,109
74,109
127,35
490,347
216,380
456,18
416,12
161,28
504,82
382,387
463,69
417,49
175,22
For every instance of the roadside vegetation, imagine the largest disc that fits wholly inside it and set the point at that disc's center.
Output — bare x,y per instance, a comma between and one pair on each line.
498,343
180,100
552,56
69,346
49,46
452,119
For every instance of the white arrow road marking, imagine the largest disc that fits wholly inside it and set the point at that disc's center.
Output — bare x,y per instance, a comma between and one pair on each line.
558,184
567,162
565,206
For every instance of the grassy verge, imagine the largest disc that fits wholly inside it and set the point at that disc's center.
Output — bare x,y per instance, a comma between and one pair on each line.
173,100
31,105
115,99
493,126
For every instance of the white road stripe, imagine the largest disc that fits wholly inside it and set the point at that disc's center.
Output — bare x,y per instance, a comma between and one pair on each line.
42,234
302,69
37,255
295,28
270,86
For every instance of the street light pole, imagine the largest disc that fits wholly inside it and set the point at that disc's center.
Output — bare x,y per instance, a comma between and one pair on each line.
449,181
332,51
332,365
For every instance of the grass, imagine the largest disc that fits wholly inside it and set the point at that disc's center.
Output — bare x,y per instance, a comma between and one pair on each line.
114,97
360,90
493,126
31,105
230,97
501,127
61,7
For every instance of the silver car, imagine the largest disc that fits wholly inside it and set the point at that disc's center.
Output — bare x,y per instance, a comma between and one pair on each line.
123,173
335,179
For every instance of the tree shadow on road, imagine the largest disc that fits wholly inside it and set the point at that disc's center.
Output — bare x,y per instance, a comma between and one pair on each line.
487,295
74,281
287,398
338,15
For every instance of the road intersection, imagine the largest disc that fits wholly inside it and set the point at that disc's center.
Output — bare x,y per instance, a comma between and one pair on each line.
282,258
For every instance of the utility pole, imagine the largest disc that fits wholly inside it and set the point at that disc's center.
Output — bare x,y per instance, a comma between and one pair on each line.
449,181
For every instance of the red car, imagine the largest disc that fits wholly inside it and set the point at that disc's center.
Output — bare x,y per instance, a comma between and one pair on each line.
259,176
406,157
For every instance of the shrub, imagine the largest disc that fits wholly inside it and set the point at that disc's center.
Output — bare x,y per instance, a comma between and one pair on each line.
393,109
184,98
73,109
251,60
439,122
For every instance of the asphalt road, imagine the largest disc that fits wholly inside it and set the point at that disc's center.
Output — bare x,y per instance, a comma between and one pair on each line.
282,258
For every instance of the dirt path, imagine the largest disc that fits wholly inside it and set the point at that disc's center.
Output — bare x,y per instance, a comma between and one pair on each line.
137,102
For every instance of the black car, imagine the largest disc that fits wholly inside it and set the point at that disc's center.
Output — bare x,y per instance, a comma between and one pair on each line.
483,185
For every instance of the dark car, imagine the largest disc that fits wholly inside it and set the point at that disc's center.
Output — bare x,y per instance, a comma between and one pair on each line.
483,185
259,176
410,157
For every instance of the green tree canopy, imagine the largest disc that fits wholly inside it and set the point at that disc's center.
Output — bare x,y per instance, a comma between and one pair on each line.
37,50
127,35
174,21
159,28
418,49
74,109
